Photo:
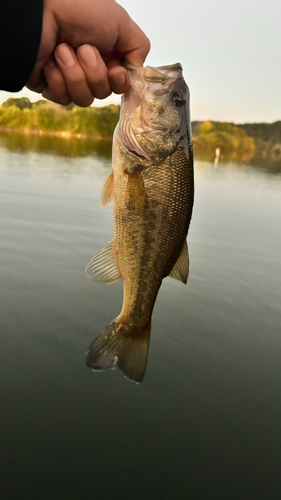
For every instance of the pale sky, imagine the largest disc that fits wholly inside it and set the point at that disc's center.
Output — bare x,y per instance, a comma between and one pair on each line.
230,51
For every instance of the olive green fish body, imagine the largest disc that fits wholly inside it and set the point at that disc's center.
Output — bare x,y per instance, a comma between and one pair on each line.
151,187
150,238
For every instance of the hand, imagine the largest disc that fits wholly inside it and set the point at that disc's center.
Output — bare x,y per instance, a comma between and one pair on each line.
80,77
83,29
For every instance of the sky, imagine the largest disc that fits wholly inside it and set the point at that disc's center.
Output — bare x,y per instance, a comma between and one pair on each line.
230,52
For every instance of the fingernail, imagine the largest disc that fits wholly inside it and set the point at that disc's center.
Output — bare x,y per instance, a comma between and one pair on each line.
88,56
65,56
118,79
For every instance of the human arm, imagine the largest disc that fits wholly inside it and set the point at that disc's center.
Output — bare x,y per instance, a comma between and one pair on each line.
76,25
20,34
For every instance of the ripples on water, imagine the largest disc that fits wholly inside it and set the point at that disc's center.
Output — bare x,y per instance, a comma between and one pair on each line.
205,423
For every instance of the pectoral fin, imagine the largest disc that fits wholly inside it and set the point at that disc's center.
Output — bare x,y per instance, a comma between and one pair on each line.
103,267
107,190
181,268
135,194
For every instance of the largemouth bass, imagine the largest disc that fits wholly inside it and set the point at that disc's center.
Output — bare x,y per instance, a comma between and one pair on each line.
151,186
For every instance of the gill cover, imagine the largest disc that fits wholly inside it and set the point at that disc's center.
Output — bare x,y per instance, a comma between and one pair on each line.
154,113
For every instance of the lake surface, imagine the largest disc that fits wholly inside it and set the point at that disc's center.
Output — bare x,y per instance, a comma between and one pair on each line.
205,422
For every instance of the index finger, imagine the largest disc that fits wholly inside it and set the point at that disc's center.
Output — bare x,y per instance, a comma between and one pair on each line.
132,43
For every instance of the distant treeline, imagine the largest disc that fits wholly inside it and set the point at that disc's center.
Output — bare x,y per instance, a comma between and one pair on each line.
225,136
244,141
248,141
46,117
258,131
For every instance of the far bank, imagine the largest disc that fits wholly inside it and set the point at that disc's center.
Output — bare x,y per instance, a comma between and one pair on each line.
213,141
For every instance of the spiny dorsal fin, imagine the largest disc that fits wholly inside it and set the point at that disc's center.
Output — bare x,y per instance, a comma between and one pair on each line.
103,267
181,268
135,194
107,190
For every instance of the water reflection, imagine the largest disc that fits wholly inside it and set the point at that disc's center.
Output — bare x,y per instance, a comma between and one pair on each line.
225,156
270,162
205,422
72,147
59,146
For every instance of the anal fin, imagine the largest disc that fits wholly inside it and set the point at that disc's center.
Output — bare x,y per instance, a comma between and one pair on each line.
181,268
103,267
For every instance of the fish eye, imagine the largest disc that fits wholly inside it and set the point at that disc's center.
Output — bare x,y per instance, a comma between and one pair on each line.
178,98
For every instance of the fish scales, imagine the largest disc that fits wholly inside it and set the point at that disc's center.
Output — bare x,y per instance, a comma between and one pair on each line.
152,190
157,241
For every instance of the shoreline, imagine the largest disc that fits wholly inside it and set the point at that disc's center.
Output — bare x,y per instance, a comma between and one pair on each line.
65,134
208,152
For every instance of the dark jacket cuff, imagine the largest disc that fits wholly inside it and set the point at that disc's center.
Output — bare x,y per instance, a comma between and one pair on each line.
20,35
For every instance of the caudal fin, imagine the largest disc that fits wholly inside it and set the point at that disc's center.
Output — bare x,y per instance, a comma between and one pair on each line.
115,347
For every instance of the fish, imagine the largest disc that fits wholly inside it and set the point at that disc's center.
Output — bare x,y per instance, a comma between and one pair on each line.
151,186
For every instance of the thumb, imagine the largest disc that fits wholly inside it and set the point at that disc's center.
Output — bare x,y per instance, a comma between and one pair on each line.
132,43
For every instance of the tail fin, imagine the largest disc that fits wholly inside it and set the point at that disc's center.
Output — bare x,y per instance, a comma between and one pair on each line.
115,347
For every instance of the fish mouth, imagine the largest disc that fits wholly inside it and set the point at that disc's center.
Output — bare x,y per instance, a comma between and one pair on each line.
158,81
156,75
171,67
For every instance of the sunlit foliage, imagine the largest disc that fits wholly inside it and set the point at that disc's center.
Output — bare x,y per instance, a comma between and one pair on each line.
244,142
226,136
43,116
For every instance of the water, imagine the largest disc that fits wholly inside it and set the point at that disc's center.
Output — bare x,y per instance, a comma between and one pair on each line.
205,423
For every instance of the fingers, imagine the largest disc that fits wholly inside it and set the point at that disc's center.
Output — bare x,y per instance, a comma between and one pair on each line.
74,76
95,71
82,76
119,79
37,82
118,76
56,89
101,80
87,76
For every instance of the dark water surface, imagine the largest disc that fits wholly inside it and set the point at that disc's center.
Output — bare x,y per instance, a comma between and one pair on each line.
205,423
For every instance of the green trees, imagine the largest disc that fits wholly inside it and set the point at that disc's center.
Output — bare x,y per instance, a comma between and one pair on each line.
267,138
226,136
268,132
261,141
255,142
44,116
20,102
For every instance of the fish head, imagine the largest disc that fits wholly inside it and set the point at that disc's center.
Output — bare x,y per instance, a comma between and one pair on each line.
154,118
165,93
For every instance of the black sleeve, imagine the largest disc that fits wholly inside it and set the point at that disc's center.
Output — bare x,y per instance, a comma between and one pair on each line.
20,35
